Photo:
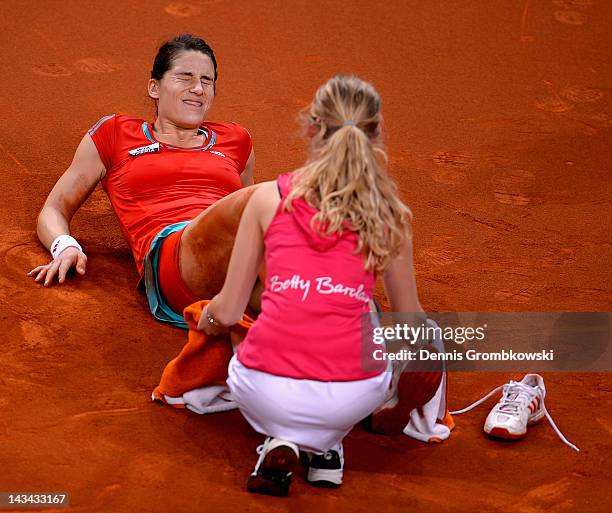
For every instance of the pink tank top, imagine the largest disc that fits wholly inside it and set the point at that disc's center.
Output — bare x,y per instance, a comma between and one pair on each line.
317,292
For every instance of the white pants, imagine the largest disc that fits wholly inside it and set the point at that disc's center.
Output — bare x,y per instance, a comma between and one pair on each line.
315,415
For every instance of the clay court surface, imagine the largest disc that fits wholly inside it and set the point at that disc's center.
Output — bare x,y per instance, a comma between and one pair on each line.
498,118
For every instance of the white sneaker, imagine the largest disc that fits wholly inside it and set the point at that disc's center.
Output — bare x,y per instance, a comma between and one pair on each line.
326,470
522,403
274,468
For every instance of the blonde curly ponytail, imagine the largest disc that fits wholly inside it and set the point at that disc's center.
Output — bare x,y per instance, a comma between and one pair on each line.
345,176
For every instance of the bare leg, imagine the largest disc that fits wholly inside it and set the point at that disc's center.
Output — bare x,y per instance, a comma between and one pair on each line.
206,247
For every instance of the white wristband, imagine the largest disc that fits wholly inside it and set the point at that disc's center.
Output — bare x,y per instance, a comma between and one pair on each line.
61,243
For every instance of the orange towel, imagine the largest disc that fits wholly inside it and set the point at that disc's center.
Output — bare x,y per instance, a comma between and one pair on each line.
203,360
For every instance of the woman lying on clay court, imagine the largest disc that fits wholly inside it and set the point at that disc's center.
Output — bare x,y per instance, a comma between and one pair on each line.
178,185
303,376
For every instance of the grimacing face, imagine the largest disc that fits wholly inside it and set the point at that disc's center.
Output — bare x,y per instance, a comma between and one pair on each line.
185,93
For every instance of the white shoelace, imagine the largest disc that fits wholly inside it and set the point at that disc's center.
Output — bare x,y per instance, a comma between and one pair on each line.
510,406
261,450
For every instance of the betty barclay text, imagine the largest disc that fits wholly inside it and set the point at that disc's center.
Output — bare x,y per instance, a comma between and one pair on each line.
322,285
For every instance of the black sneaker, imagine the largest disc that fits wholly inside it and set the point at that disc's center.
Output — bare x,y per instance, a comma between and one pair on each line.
326,470
274,468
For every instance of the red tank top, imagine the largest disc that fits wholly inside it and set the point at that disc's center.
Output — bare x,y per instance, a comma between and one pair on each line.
316,297
152,185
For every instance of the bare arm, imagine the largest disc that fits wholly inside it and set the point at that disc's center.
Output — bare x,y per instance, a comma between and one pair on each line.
247,174
68,194
228,306
400,283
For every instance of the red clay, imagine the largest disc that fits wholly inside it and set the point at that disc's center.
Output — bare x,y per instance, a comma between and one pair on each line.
498,120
